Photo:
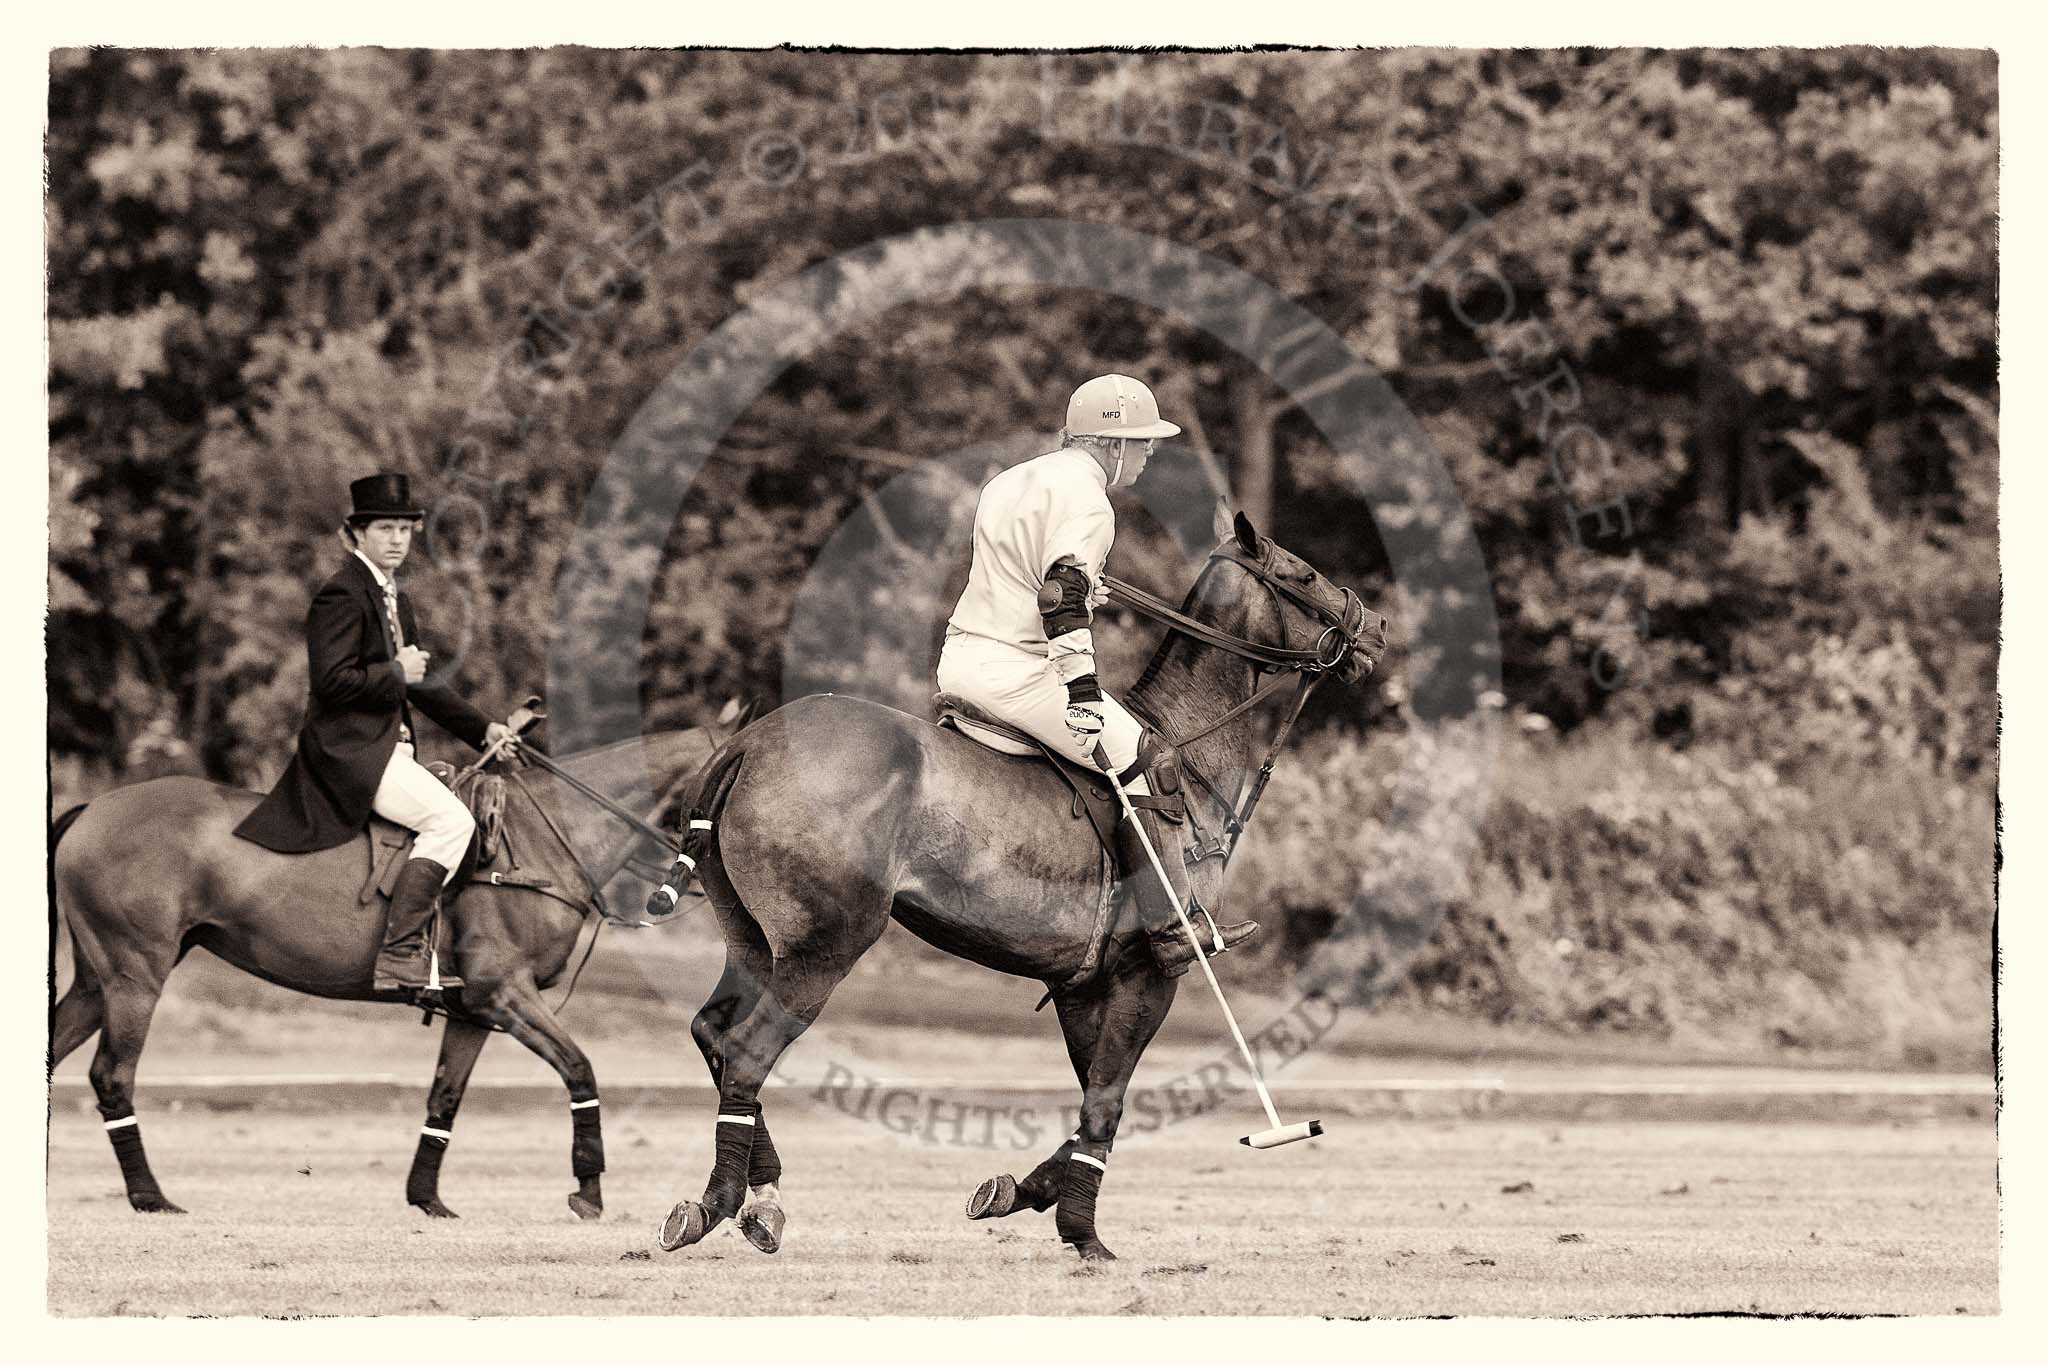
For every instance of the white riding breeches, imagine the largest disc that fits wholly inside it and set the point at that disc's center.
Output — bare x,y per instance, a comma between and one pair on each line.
409,795
1021,687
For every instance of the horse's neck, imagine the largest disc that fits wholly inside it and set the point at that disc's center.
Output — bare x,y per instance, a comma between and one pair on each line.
1185,688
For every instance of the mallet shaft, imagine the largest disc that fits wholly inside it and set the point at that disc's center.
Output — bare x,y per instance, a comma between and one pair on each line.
1201,958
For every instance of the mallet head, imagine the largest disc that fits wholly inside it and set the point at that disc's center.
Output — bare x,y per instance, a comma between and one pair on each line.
1280,1137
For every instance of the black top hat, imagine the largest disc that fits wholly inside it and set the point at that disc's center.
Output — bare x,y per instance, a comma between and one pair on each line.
382,495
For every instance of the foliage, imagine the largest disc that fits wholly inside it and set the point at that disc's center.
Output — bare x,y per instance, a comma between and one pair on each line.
1759,285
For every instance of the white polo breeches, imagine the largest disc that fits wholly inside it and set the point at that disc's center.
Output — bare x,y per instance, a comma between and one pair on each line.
1021,687
409,795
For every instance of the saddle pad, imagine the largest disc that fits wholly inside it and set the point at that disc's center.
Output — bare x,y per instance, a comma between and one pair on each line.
952,713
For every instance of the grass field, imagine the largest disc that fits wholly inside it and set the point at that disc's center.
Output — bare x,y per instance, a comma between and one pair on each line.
303,1215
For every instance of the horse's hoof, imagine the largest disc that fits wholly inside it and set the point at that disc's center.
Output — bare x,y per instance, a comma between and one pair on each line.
993,1198
152,1203
434,1208
686,1223
1092,1250
589,1210
761,1224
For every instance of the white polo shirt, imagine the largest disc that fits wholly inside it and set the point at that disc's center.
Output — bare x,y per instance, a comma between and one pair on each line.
1032,516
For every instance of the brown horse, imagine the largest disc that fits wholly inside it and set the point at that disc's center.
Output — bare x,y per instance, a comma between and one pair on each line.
147,873
832,815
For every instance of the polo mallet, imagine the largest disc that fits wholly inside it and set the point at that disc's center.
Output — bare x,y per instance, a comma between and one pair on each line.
1279,1135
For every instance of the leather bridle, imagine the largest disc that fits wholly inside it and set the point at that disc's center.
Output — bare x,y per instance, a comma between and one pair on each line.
1342,629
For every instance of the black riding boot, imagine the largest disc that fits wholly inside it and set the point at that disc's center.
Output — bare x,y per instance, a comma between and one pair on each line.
403,964
1163,931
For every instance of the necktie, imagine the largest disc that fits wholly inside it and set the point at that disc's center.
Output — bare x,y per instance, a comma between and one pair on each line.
397,643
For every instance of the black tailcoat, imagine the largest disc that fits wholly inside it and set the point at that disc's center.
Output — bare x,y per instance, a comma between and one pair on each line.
359,699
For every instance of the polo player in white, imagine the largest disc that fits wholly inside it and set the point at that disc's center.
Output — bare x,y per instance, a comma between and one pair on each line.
1018,644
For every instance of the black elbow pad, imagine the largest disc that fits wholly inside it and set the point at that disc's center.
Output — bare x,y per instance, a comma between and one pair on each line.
1063,601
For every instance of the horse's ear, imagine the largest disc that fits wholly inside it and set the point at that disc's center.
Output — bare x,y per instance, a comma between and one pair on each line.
1247,537
1221,525
730,712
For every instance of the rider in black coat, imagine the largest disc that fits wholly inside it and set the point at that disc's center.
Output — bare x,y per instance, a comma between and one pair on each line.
356,743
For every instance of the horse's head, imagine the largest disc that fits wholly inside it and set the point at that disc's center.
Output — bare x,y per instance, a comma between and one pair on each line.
1308,612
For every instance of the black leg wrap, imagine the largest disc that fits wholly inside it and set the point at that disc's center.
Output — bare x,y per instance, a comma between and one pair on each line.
1041,1189
423,1184
1076,1217
135,1172
586,1144
735,1144
764,1167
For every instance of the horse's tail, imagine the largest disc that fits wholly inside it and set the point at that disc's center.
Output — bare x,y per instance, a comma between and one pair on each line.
700,829
716,784
64,822
57,828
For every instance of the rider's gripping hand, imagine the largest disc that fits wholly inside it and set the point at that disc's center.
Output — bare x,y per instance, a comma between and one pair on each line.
502,738
413,661
1084,707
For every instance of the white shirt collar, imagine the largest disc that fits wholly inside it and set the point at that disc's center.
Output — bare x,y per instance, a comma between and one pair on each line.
375,572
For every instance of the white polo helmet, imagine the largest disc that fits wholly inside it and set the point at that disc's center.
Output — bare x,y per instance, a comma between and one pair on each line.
1116,405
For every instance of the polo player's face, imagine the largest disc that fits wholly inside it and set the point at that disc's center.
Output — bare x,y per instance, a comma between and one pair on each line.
386,542
1136,454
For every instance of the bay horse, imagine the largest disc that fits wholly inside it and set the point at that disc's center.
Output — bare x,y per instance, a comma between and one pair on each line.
146,873
818,823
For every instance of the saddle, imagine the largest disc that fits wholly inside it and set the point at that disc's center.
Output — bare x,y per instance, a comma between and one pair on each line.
1092,799
482,792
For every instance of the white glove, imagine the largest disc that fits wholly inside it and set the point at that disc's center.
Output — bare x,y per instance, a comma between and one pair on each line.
1084,719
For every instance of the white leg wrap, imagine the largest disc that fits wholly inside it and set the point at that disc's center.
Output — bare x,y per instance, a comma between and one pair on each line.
128,1122
441,1133
1092,1161
700,824
582,1104
747,1119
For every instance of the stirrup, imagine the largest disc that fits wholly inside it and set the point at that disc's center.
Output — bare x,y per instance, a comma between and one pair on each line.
1217,945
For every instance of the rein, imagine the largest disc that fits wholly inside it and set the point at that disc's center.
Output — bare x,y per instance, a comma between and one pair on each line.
669,841
595,901
1309,665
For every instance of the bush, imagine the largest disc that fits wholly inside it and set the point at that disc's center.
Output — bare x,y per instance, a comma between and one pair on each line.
1700,897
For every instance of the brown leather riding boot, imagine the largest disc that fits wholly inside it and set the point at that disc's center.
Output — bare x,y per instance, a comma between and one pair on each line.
1163,931
404,965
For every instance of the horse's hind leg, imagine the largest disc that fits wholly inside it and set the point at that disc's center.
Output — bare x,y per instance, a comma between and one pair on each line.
77,1016
731,1001
796,992
124,1029
461,1042
516,1006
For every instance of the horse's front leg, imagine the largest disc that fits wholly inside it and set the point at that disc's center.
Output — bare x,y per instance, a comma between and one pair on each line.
461,1042
516,1006
999,1196
1127,1016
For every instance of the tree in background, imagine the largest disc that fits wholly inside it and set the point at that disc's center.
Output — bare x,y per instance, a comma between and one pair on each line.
1759,287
